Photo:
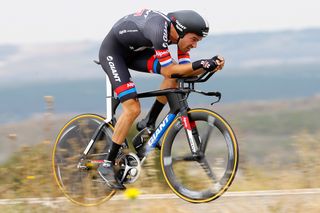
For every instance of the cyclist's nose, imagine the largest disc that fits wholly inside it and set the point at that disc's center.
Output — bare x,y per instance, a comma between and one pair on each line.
194,44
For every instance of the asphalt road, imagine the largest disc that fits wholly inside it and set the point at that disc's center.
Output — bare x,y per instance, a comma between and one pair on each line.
300,200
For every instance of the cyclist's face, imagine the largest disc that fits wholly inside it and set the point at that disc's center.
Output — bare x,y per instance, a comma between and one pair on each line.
189,41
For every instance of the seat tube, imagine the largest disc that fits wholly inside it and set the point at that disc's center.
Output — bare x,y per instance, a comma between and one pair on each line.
94,138
109,97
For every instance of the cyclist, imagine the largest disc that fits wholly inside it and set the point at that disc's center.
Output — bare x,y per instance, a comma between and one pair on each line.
140,42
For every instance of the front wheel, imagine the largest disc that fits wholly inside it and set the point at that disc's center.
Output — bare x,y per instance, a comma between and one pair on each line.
207,176
81,183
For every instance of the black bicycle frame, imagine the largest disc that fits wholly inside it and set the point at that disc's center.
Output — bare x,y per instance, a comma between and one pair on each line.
177,100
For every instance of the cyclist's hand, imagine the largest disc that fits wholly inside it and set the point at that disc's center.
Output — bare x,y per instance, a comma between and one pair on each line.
219,60
206,64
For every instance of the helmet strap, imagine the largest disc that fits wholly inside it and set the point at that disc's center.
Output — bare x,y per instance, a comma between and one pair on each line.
178,40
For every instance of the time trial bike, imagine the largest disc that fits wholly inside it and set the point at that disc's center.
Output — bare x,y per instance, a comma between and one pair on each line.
199,153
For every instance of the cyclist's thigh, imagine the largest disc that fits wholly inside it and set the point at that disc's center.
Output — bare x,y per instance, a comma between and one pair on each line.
145,61
112,59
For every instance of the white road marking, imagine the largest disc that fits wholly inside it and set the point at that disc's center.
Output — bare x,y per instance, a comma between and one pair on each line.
51,201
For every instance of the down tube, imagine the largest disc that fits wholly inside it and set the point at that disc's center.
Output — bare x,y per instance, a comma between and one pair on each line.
161,129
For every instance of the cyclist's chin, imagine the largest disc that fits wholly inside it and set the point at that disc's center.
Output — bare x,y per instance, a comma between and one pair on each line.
184,49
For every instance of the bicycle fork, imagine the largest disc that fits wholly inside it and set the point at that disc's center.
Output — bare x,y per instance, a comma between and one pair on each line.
178,103
192,135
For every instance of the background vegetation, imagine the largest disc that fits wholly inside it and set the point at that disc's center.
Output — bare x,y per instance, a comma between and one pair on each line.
279,145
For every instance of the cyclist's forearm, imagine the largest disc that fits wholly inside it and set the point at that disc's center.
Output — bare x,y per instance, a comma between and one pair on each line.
179,69
195,73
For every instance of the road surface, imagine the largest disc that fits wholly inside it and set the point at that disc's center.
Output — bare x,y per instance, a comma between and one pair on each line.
299,200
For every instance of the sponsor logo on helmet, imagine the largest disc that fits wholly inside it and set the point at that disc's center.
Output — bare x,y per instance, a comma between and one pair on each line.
113,69
180,26
122,31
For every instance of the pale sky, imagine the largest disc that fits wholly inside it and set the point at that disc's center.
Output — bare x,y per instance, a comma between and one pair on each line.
39,21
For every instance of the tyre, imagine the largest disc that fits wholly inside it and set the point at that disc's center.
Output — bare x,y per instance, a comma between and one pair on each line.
207,176
83,186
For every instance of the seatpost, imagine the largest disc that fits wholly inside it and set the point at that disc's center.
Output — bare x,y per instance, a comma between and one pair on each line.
109,97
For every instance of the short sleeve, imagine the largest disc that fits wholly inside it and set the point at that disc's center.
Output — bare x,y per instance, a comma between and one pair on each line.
183,57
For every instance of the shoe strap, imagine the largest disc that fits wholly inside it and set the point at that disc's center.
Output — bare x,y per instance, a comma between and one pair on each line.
107,163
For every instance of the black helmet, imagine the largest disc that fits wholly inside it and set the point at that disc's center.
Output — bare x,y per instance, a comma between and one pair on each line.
189,21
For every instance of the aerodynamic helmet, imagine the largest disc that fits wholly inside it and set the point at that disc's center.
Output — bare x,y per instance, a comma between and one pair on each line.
189,21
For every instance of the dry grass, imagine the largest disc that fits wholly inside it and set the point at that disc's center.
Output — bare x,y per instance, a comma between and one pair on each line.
28,172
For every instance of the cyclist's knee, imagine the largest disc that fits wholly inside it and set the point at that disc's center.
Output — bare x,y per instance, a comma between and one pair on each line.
135,111
132,108
170,82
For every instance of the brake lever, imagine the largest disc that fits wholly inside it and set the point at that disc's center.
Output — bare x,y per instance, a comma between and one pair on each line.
218,95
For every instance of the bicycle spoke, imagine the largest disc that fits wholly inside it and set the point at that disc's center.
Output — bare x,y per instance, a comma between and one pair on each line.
205,165
184,158
204,139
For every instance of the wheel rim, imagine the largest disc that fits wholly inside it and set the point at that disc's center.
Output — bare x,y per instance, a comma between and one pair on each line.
188,177
82,187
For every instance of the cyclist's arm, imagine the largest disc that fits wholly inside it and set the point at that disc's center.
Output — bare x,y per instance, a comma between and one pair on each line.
195,73
180,69
184,70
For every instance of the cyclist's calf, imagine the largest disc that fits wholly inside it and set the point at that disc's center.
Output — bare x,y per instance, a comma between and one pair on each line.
131,110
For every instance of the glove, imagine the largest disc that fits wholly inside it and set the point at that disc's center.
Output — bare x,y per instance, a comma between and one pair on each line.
206,64
219,61
218,57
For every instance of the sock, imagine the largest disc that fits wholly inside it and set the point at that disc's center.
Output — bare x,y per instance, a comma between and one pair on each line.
154,112
114,149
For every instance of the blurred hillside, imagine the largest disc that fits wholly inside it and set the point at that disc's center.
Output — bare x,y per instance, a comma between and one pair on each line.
260,66
244,53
